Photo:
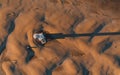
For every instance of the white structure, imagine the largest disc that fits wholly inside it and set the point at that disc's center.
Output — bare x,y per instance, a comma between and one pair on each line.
40,37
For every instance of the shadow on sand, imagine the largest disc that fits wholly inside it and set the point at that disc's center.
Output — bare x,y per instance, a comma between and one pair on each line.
62,36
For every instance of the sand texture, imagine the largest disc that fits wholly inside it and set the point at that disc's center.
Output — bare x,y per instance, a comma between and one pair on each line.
94,55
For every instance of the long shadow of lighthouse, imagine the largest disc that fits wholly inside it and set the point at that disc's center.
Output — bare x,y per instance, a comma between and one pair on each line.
62,36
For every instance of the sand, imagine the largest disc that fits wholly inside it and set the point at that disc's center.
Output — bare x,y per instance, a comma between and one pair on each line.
95,55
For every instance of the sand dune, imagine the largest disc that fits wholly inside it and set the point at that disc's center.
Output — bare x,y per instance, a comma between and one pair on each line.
94,55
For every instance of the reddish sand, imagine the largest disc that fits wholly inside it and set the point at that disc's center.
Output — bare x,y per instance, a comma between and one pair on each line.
98,55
